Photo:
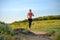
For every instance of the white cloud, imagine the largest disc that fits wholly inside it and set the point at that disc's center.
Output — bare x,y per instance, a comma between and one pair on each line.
13,9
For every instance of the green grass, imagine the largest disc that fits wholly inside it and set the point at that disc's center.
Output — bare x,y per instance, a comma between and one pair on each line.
38,25
5,31
5,28
46,25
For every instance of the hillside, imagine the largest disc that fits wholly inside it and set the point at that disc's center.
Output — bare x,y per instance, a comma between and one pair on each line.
39,21
49,24
6,33
45,23
50,17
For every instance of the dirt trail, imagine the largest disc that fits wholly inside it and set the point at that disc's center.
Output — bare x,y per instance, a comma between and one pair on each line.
39,32
22,34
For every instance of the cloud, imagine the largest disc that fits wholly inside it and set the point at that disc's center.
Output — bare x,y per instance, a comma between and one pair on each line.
11,9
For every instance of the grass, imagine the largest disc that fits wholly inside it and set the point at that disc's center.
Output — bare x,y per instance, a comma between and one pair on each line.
5,31
5,28
46,25
38,25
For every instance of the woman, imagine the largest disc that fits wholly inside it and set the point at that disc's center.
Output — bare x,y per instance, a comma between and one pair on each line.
29,16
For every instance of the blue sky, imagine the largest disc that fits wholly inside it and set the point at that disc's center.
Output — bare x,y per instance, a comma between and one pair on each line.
15,10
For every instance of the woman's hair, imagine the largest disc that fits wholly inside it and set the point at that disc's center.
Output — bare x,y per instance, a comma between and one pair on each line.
30,10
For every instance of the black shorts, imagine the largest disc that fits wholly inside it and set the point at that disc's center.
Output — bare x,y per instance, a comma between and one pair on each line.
29,20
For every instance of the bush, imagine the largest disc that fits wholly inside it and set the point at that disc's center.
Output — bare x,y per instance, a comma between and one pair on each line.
5,28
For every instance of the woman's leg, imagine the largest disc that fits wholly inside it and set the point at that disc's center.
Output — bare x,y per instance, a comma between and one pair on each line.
30,21
29,24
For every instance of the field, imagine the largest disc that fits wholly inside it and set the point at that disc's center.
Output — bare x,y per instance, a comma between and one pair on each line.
44,25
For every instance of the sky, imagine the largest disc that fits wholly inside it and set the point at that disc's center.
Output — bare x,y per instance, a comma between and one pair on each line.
16,10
